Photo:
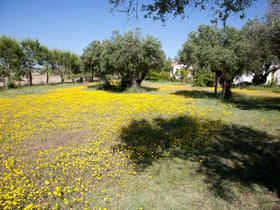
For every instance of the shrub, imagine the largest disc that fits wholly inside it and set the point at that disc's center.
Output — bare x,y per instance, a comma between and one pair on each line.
157,76
12,85
272,83
204,79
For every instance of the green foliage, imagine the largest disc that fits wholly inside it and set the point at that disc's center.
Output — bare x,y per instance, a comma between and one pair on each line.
272,83
223,52
63,63
158,76
260,53
204,79
11,56
130,55
31,49
182,74
19,59
272,21
12,85
162,10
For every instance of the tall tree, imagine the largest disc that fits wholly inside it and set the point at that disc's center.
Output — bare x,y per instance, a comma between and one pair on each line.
223,52
45,60
260,52
31,50
203,48
135,56
153,55
74,66
130,55
61,61
11,56
92,60
273,23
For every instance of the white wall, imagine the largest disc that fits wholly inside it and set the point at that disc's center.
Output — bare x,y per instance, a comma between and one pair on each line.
243,78
276,77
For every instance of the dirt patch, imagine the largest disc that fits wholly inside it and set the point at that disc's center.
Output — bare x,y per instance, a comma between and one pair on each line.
38,79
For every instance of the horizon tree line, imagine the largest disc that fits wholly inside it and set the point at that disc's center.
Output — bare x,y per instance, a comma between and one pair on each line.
18,59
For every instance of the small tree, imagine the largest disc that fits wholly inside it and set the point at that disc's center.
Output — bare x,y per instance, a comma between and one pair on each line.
31,50
74,66
45,60
182,74
93,60
11,56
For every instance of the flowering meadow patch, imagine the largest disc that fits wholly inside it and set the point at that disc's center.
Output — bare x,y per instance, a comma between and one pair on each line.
61,146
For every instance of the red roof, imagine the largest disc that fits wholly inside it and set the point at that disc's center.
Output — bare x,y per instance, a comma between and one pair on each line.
174,64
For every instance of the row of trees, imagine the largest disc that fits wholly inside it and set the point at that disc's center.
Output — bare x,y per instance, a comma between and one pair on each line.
229,52
18,59
130,56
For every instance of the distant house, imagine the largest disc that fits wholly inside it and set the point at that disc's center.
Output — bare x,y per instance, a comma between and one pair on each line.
176,67
274,76
244,78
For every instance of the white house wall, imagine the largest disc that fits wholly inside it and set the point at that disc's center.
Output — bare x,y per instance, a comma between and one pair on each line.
176,68
243,78
276,77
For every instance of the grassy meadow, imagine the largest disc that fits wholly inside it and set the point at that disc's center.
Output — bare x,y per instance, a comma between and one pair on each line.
170,146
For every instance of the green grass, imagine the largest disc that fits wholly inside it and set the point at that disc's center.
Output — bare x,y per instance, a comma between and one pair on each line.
239,169
35,89
275,88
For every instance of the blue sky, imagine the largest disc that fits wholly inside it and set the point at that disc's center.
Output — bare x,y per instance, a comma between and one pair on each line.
72,25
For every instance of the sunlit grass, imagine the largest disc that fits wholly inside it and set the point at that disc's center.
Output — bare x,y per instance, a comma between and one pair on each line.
81,148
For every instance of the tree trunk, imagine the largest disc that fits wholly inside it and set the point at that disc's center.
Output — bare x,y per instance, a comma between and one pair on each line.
133,84
61,76
30,78
6,82
104,79
222,83
227,92
140,80
123,81
216,83
47,77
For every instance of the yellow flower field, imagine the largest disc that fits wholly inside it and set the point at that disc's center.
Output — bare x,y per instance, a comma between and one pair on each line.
58,147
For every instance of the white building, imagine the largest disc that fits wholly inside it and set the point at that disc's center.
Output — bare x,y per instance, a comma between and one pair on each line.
243,78
176,67
274,76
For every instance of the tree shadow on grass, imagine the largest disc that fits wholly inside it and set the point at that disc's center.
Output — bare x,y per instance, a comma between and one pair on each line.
119,89
230,153
241,101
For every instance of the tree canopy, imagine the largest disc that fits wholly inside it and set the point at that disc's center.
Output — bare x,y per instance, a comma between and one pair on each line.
223,52
11,56
129,55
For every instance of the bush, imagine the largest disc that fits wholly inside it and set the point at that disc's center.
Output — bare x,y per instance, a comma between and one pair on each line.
272,83
12,85
157,76
204,79
172,79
